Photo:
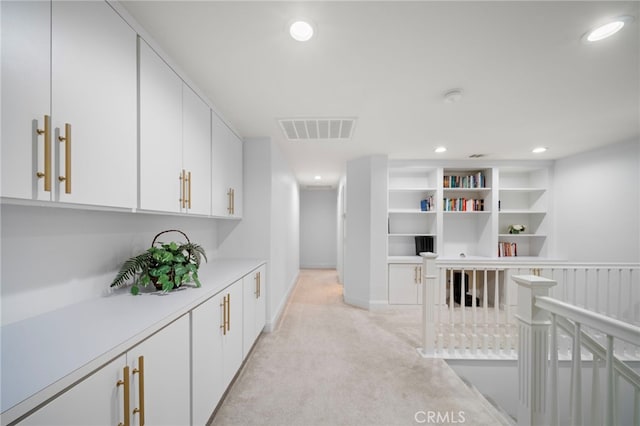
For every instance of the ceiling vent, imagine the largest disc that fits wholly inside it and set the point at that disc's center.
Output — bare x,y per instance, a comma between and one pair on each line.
317,129
477,155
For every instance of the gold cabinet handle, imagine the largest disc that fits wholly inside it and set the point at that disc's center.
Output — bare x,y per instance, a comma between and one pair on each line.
67,158
224,315
257,278
47,153
189,190
229,201
183,195
125,382
228,312
140,371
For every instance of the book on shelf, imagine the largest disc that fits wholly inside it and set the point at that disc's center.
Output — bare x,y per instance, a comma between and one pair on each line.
463,205
507,249
427,204
476,180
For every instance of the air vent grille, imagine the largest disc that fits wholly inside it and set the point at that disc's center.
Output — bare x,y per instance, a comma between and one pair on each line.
318,129
477,155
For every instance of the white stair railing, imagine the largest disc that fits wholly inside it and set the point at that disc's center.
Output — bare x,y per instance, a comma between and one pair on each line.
473,303
538,315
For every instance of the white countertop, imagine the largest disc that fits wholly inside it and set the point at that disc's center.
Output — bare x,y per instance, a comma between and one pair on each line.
52,351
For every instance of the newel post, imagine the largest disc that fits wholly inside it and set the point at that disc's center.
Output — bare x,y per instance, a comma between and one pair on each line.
533,349
429,280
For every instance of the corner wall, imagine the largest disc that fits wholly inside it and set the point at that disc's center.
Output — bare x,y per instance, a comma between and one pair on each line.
597,204
365,262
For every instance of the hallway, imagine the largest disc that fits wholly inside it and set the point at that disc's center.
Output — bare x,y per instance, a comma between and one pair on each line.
332,364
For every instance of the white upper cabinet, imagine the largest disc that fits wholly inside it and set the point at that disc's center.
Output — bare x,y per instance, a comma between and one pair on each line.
196,152
75,63
226,174
161,177
93,63
175,141
26,78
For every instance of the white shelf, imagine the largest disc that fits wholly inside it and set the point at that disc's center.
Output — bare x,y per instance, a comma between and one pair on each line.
446,190
411,235
410,211
466,212
407,189
521,235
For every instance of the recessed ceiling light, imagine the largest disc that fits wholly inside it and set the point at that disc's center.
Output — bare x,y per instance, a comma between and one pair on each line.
301,30
539,150
317,177
606,30
440,149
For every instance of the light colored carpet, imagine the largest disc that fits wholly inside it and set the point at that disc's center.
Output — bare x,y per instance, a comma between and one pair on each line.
332,364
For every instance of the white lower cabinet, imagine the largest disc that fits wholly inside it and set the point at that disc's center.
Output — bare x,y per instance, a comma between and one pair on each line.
154,375
161,377
176,376
216,349
254,287
97,400
405,284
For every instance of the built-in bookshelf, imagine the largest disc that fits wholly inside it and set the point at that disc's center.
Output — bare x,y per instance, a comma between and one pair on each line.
467,211
412,211
467,206
523,200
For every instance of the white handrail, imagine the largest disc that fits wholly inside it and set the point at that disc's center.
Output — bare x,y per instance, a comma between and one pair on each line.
607,325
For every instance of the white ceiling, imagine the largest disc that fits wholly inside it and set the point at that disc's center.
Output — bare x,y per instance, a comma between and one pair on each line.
527,78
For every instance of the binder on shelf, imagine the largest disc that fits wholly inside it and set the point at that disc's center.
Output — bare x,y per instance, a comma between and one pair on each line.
424,244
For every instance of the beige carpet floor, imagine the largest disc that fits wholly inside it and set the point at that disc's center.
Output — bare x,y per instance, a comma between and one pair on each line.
328,363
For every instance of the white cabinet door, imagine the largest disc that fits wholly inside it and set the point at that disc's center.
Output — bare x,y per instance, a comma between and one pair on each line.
216,349
161,389
226,171
405,286
232,340
97,400
196,151
26,29
254,310
206,354
160,133
93,86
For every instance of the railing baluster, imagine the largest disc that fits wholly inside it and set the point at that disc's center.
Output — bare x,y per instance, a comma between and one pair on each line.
452,337
554,371
608,292
619,308
474,327
595,391
463,300
576,377
636,407
609,374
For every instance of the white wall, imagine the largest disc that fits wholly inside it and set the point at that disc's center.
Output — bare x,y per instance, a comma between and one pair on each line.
53,257
269,228
340,231
318,228
597,205
365,261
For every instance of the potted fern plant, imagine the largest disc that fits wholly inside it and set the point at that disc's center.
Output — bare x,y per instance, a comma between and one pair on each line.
165,265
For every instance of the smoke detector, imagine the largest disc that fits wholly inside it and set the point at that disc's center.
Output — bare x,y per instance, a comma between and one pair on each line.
453,96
